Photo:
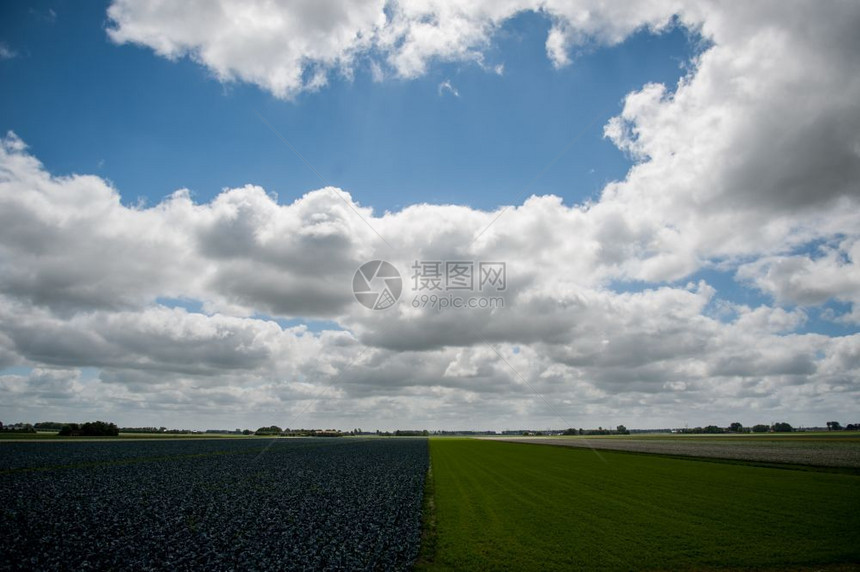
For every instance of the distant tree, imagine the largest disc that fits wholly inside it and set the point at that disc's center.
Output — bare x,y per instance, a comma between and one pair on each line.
570,431
89,429
736,427
70,429
760,428
713,429
622,430
271,430
852,427
99,429
834,426
782,428
247,432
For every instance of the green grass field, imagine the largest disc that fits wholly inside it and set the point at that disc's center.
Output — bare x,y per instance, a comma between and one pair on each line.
512,506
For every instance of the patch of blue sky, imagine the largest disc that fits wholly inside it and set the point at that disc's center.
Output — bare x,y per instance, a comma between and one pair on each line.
829,319
313,326
20,370
152,126
188,304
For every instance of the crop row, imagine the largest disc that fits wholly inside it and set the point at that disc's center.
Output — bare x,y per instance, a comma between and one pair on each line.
214,505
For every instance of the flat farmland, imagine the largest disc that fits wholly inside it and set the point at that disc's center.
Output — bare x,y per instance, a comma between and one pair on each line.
823,450
220,504
519,506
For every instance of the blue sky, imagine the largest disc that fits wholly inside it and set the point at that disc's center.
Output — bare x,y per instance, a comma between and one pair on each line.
702,263
151,126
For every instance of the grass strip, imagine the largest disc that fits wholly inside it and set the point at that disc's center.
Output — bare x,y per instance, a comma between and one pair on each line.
427,554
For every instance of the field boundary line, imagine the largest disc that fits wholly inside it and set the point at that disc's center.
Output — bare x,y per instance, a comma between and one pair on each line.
429,534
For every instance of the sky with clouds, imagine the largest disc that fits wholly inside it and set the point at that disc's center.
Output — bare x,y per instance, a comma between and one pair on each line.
188,189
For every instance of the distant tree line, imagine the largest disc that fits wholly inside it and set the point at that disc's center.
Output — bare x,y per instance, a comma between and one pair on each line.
736,427
100,428
166,431
146,430
836,426
17,428
780,427
89,429
620,430
455,433
275,431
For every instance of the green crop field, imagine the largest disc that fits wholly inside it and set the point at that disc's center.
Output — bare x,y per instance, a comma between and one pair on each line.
517,506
